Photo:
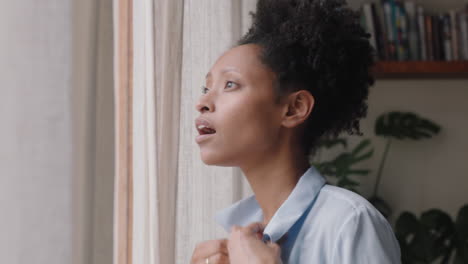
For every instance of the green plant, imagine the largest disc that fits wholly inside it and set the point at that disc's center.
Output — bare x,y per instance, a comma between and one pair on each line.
341,166
435,236
398,126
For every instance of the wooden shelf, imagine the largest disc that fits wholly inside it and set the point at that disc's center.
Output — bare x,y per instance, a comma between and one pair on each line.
421,69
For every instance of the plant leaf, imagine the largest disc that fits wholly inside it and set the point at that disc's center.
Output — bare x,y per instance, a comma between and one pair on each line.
361,146
425,240
406,228
440,233
329,143
359,172
341,167
461,227
405,125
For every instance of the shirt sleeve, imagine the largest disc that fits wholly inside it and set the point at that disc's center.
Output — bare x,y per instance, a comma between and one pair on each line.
366,237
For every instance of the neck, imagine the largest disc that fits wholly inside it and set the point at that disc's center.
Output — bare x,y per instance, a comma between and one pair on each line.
273,178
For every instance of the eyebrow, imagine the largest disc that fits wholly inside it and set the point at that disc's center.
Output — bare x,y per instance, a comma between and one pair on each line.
227,69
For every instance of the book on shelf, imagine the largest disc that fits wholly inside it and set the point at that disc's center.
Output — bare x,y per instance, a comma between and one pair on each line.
421,29
429,38
462,19
455,28
402,31
448,52
436,36
412,30
405,31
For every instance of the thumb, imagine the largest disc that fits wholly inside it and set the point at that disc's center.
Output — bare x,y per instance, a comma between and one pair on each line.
254,230
275,247
255,227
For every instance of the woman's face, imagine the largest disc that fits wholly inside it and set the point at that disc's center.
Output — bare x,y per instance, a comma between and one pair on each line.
239,104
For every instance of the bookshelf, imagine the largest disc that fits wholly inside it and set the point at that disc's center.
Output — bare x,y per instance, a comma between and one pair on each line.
421,69
413,41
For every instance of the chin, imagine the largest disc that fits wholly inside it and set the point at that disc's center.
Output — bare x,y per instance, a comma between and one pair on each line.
215,159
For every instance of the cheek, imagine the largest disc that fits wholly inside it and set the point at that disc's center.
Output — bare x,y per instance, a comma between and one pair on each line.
249,124
245,128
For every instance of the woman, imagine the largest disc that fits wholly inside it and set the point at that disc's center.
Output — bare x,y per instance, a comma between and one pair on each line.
300,73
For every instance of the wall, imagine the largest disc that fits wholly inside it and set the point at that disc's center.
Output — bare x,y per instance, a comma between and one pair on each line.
35,70
54,185
426,174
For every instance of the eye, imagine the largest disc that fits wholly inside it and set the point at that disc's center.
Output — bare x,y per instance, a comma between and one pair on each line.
230,82
204,89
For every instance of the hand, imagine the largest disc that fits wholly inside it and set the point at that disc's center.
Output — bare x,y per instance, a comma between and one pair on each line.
246,247
215,250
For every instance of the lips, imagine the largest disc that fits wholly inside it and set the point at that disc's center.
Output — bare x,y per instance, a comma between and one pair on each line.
204,126
205,129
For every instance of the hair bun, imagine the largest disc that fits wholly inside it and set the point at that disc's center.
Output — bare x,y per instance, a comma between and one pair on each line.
321,46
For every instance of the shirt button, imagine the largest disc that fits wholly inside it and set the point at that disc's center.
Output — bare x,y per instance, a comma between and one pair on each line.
266,238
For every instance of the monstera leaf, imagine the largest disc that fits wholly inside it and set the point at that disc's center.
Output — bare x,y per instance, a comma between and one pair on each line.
433,237
424,240
330,143
405,125
398,125
406,229
439,231
342,166
461,227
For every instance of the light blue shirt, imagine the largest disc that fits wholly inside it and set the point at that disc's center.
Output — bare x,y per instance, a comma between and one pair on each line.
321,223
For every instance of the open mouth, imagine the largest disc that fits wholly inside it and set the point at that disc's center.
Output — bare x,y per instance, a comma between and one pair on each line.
204,126
205,130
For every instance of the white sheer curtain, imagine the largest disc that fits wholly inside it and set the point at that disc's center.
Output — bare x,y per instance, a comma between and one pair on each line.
145,207
210,27
175,195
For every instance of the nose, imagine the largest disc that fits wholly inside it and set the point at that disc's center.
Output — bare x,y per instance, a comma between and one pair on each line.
205,104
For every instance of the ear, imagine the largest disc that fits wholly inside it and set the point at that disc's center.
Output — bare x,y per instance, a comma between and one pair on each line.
298,108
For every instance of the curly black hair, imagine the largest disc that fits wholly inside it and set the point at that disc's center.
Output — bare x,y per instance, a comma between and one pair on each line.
319,46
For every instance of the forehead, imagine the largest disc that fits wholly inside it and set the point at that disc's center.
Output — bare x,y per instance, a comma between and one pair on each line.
244,59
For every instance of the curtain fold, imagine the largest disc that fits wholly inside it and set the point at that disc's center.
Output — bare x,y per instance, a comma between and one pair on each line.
92,119
210,28
168,16
104,168
123,86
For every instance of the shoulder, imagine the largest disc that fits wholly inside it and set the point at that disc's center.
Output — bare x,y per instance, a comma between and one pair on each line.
349,226
338,203
346,198
350,210
335,208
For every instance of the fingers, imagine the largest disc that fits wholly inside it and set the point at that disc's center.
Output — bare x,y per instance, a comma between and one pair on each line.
218,258
257,229
209,248
276,248
249,230
254,228
245,243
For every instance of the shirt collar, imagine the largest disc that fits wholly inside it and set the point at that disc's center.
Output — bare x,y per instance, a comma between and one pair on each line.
248,210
